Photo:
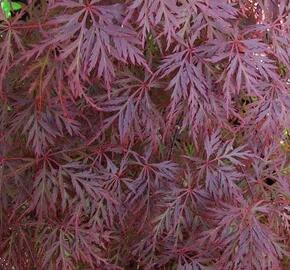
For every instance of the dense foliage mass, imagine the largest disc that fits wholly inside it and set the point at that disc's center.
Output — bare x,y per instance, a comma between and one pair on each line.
145,134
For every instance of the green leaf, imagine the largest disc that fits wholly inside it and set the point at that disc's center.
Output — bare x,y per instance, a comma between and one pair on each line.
8,6
16,6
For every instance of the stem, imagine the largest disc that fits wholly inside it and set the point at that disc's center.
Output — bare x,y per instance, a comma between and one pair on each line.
32,25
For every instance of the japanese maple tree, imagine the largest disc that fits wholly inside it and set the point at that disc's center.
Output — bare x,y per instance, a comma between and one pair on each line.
145,135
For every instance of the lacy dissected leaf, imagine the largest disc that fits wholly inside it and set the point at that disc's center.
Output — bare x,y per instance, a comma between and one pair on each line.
91,38
219,167
145,135
150,178
268,177
179,216
276,33
42,128
17,248
150,13
68,185
132,109
246,240
10,43
69,245
48,71
188,84
271,111
211,15
246,64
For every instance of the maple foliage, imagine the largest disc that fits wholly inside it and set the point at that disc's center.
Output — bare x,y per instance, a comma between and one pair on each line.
145,134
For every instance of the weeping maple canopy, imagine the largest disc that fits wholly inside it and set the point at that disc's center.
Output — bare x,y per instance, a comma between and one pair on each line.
145,135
